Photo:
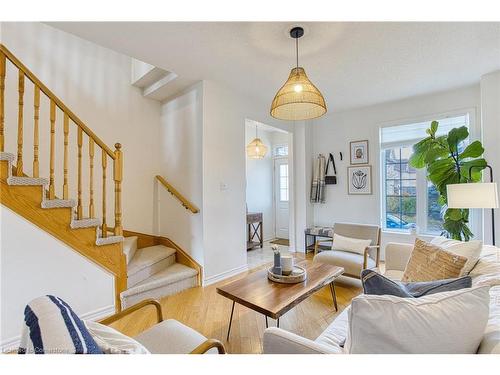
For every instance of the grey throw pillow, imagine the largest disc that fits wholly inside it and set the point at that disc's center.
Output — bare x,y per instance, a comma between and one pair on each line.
375,283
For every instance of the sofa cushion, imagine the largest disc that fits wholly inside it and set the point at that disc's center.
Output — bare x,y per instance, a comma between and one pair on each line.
430,262
353,245
448,322
352,262
113,342
336,333
375,283
171,337
471,250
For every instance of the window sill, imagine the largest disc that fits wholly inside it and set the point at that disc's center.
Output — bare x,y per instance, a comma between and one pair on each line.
408,234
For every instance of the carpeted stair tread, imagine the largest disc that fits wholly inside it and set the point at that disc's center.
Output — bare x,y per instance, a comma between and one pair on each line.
7,156
102,241
148,256
170,275
85,223
58,203
27,181
130,247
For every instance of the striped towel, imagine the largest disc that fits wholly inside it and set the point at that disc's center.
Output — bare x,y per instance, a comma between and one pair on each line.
52,327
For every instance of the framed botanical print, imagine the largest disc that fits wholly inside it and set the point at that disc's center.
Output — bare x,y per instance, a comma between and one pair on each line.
359,180
359,152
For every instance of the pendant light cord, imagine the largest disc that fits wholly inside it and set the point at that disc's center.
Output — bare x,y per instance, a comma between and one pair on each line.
297,52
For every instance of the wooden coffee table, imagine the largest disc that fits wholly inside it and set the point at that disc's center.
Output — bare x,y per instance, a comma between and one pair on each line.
258,293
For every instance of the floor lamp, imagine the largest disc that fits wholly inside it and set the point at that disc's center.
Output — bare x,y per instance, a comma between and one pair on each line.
475,195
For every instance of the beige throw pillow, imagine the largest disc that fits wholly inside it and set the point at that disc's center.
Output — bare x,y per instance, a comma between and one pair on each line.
430,262
352,245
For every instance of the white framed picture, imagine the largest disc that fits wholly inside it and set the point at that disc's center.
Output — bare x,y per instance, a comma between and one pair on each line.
359,180
359,152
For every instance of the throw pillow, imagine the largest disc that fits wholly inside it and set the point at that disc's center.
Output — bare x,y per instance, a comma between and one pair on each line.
377,284
353,245
449,322
113,342
429,262
471,250
52,327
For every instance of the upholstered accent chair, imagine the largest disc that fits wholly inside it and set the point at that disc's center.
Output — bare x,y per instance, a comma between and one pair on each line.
169,336
353,263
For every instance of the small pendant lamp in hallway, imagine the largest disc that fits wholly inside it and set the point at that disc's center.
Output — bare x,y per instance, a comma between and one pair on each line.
298,99
256,149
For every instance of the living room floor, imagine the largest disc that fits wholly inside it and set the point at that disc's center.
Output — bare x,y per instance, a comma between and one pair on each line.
204,310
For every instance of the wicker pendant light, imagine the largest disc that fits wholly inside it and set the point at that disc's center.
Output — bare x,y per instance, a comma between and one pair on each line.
256,149
298,98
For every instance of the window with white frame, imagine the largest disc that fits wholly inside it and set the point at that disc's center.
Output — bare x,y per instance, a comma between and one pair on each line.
408,198
283,171
280,151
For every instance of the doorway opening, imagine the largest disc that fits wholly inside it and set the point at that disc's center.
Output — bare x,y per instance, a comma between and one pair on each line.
268,191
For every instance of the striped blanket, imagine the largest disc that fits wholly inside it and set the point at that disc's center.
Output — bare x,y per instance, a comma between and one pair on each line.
52,327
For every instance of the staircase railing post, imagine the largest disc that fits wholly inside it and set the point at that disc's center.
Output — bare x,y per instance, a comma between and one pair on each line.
20,120
118,176
2,100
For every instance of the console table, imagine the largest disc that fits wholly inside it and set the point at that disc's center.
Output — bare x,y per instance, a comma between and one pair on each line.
254,223
315,232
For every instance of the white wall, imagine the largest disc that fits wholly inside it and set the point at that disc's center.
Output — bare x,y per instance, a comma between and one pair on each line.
181,164
490,114
259,181
333,133
224,220
36,264
95,84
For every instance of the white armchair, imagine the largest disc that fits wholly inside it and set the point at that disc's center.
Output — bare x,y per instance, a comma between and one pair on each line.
169,336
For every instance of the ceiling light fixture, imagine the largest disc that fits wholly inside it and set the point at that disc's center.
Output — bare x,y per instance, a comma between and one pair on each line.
256,149
298,99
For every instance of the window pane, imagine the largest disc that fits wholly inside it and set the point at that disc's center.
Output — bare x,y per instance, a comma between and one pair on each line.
283,181
400,189
434,218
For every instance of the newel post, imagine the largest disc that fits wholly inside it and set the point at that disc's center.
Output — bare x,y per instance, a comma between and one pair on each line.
2,99
118,176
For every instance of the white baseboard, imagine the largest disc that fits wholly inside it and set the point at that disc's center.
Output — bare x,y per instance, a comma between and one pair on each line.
225,275
12,344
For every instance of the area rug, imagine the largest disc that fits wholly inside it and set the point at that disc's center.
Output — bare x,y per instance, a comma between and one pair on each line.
281,241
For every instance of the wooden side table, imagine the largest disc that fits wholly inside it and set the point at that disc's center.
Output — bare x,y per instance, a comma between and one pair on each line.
254,223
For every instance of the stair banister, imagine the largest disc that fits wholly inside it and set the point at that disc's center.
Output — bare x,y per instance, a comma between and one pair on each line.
185,203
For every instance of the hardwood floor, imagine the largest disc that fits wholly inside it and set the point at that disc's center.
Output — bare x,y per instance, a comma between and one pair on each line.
208,312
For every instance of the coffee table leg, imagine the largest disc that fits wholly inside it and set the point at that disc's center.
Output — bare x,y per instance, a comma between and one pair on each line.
278,322
334,295
230,321
267,324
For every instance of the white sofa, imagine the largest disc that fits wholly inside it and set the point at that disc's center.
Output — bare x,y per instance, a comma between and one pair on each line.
486,271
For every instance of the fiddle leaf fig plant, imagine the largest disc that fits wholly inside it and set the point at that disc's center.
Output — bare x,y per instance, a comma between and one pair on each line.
448,162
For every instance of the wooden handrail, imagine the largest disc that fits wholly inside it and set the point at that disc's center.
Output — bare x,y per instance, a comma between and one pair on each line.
56,100
187,204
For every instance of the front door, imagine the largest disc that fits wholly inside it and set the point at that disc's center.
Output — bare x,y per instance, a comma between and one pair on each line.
281,197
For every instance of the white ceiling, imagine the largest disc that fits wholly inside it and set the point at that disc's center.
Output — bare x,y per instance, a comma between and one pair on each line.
354,64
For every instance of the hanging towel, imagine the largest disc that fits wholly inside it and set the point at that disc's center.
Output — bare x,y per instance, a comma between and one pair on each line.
318,182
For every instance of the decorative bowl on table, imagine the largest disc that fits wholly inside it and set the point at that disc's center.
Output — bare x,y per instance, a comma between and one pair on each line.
298,275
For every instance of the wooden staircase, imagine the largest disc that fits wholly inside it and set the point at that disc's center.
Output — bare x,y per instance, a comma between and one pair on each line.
81,225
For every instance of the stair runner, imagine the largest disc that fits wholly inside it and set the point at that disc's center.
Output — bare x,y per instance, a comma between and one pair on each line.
152,272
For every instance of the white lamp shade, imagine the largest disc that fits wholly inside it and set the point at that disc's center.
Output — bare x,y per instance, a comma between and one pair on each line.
473,195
